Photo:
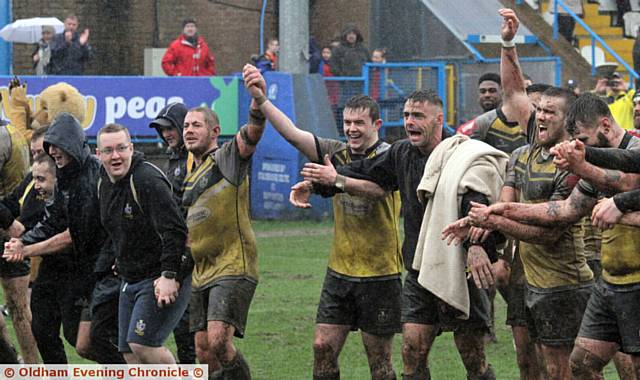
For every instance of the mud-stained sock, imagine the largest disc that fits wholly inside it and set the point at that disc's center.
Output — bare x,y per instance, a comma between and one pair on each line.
237,369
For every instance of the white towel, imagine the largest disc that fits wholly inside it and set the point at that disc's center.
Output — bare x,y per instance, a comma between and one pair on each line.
458,164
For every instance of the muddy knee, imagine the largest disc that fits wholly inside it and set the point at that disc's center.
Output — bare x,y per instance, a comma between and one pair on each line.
584,363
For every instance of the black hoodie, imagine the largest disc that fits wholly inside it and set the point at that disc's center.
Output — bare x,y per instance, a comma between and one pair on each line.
347,59
174,114
75,205
147,230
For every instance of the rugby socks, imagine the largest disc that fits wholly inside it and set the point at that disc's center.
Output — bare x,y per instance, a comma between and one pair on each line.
237,369
423,374
487,375
331,376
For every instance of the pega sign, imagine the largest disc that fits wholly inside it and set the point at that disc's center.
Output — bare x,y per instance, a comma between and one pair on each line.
135,101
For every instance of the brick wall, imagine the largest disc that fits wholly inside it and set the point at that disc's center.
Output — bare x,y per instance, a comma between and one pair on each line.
327,18
121,29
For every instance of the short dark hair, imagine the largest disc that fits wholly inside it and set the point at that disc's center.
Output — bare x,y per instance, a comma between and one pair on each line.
39,133
210,117
113,128
364,102
44,158
559,92
586,110
421,96
189,20
490,76
537,88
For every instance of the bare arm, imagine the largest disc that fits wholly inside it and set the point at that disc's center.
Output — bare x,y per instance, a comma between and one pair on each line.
571,156
550,213
363,188
302,140
326,175
525,232
631,219
250,135
516,104
50,246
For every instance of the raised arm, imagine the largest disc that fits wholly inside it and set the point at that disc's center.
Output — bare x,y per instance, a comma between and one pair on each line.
516,104
301,140
250,134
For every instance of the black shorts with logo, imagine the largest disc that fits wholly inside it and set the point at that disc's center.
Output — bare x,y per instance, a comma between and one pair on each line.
554,314
612,316
226,299
421,306
372,306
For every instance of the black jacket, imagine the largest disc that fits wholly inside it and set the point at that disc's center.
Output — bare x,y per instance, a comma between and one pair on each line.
347,59
75,204
147,230
68,59
176,171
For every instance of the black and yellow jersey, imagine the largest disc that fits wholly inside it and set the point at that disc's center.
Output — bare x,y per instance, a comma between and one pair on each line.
216,195
14,159
535,177
493,128
366,242
619,247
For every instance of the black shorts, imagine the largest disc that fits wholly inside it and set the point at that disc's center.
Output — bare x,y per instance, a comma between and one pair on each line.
612,316
516,307
371,306
554,314
422,307
225,299
596,268
13,270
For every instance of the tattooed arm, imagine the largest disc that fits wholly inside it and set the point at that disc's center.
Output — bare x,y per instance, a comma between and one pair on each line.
607,180
525,232
612,158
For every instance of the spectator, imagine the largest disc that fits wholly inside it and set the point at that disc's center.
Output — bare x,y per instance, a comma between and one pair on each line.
377,87
70,50
333,89
315,56
610,87
42,54
269,60
189,55
566,23
347,59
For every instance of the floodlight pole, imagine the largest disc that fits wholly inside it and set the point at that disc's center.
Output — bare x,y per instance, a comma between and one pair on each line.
294,36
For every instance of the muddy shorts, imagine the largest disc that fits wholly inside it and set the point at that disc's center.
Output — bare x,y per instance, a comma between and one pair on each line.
554,314
371,306
420,306
612,316
226,300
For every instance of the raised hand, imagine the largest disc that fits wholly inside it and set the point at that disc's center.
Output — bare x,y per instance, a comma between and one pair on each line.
510,24
254,81
84,37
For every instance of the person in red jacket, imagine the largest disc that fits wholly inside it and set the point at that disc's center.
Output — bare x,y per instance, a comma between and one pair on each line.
189,55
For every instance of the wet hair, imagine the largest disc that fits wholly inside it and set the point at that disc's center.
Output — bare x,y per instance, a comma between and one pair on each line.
364,102
39,133
586,110
493,77
43,158
537,88
113,128
558,92
421,96
210,117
